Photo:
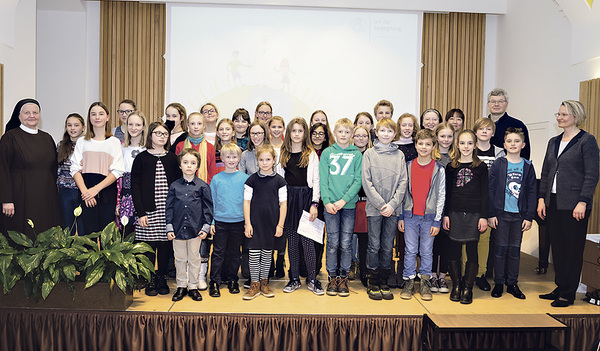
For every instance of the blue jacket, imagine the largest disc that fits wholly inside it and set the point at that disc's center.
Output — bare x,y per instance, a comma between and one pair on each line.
497,186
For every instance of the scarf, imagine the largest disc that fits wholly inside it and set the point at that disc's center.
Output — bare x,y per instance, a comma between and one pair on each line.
201,144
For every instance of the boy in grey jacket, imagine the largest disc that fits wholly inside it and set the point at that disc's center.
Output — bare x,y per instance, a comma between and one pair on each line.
384,181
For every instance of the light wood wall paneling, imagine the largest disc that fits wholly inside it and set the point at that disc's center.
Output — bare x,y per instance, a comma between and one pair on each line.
1,99
453,58
132,45
589,95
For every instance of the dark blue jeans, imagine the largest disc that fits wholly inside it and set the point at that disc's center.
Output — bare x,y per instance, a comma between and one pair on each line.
508,248
340,227
69,200
382,231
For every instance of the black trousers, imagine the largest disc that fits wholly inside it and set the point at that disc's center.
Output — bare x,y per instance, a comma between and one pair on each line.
567,240
226,255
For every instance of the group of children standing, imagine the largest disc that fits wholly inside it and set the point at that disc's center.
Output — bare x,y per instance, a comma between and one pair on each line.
246,184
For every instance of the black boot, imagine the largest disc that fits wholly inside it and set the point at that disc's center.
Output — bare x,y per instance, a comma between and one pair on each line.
384,276
454,267
279,266
151,287
390,279
373,285
470,274
161,286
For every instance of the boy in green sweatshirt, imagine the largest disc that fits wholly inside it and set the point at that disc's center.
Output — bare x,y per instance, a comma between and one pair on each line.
340,175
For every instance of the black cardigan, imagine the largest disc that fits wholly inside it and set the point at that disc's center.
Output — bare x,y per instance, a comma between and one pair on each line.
143,173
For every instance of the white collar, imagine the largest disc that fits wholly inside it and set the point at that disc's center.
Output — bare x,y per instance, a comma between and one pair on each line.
29,130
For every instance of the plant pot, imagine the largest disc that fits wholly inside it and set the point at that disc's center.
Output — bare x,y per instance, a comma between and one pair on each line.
96,297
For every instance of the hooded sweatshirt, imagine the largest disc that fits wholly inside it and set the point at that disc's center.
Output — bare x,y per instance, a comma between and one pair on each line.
340,174
384,178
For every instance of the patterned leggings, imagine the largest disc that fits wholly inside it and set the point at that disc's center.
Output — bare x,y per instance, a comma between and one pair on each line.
310,258
260,264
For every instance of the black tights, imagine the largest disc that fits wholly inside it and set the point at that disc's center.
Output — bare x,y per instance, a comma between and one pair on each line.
455,250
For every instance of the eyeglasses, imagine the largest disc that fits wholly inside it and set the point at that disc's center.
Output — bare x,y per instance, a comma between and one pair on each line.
124,112
264,113
361,136
496,102
212,110
255,134
557,114
161,134
318,134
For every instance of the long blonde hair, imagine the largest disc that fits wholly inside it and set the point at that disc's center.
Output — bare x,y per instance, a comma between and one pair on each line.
286,148
456,156
436,154
127,137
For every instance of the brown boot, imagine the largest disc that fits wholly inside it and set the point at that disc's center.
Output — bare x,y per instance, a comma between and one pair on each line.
264,288
253,292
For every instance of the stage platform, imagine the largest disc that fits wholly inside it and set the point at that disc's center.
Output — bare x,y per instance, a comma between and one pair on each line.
296,321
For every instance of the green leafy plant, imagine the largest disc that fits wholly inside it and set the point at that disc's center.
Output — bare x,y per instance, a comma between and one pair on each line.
55,256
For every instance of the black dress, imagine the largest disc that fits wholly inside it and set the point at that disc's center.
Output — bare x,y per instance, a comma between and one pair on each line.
28,166
264,210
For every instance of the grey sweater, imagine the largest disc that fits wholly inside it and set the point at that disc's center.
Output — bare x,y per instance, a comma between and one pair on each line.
576,171
384,178
248,162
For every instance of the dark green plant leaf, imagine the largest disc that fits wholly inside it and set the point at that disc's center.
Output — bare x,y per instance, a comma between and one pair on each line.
47,287
70,271
93,235
3,242
84,240
145,262
54,273
130,238
94,256
70,252
120,280
83,257
20,239
10,282
29,262
145,272
122,247
139,248
117,237
107,234
94,276
8,251
53,257
114,256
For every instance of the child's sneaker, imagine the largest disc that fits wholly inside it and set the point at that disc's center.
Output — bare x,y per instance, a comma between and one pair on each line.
264,288
435,287
292,286
253,292
332,286
316,287
342,288
407,290
386,293
443,286
426,288
374,292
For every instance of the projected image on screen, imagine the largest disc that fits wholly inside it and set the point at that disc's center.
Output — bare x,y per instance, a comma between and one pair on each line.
300,60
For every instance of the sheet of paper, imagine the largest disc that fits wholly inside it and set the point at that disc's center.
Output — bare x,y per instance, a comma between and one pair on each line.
312,230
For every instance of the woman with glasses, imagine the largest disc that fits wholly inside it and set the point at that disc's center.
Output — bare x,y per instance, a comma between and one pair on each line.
569,177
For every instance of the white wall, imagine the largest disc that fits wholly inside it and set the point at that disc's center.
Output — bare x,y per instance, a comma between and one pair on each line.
67,63
17,51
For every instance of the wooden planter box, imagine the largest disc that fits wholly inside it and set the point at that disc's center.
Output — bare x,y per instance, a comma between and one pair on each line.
97,297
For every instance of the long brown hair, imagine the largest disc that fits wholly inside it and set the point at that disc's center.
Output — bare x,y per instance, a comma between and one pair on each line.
267,136
286,148
66,144
218,142
89,132
456,156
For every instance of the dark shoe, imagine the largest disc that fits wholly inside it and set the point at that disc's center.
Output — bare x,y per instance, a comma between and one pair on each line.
342,288
151,287
498,290
161,286
280,267
213,290
515,291
550,296
247,284
179,294
234,287
386,293
470,274
384,279
541,270
390,276
195,295
482,283
373,285
455,267
332,286
561,303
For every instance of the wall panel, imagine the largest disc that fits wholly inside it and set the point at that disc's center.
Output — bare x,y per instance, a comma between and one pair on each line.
589,95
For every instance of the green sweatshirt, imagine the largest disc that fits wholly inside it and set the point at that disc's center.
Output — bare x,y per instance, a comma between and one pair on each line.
340,174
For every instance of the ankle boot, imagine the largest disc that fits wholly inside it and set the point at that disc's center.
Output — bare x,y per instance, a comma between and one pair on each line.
162,287
384,288
151,287
373,285
470,274
279,266
455,267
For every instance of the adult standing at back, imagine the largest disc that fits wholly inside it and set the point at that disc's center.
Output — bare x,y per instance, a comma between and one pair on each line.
497,103
569,177
28,170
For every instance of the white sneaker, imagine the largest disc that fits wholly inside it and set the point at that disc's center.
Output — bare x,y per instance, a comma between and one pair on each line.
202,285
434,284
443,286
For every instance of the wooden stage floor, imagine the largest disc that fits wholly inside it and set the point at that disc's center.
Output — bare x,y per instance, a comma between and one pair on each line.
303,301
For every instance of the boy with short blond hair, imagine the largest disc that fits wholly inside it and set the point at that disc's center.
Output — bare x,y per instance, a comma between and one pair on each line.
421,216
384,182
513,201
340,175
227,190
383,109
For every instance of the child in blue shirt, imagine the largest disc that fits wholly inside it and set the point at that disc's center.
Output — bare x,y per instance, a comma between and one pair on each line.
513,196
189,213
227,190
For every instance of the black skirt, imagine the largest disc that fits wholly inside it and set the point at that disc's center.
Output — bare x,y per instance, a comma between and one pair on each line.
463,226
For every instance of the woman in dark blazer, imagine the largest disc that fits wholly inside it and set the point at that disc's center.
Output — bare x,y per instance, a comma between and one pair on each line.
569,177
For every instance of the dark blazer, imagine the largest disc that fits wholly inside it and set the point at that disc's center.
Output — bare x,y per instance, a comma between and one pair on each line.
527,202
576,170
143,172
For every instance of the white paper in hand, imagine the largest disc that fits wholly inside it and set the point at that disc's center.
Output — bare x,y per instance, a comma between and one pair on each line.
312,230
